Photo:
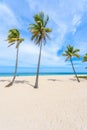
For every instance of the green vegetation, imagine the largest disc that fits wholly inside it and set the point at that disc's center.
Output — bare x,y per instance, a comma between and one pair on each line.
85,58
39,35
14,38
85,77
69,53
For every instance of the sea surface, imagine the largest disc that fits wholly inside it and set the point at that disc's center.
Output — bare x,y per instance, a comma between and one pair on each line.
42,74
26,71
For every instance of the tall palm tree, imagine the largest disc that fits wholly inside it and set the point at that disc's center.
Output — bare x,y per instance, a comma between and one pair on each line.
39,35
69,53
14,38
85,58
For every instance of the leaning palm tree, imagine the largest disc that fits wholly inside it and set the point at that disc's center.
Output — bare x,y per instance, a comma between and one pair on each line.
14,38
39,35
69,53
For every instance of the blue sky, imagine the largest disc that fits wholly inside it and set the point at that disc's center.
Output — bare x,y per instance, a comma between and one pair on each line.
68,21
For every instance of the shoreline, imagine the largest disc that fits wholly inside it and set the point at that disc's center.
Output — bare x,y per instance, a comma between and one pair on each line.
48,74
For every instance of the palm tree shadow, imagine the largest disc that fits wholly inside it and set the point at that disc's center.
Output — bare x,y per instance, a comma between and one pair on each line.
73,79
81,79
23,82
18,82
54,80
5,81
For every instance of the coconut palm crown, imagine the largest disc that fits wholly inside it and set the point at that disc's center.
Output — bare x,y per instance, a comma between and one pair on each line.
14,37
39,30
70,52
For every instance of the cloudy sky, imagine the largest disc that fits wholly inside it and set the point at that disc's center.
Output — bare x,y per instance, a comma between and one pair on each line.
68,20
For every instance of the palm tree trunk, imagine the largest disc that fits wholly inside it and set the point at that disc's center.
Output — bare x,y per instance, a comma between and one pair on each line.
74,70
38,68
16,66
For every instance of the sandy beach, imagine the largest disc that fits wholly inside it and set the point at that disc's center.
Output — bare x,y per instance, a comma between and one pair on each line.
60,103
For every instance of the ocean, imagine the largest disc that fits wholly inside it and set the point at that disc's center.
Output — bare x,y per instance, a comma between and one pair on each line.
42,74
26,71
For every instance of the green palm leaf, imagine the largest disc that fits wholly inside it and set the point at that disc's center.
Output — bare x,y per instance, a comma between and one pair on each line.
85,58
19,42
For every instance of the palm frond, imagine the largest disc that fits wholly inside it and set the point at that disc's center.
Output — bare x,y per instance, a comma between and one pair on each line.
42,18
48,30
36,18
46,21
48,36
76,55
75,51
44,40
85,58
64,54
67,58
11,40
13,33
11,44
33,37
19,42
39,39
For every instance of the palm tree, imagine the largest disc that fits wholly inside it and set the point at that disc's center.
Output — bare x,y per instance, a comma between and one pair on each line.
39,35
69,53
14,38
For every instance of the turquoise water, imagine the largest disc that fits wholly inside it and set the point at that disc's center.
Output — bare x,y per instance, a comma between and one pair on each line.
31,71
43,74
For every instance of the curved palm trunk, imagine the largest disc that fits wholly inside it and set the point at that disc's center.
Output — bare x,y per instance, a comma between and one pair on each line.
16,66
74,70
38,68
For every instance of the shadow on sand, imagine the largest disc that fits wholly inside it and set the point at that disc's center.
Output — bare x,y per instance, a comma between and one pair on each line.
73,79
54,80
5,81
18,82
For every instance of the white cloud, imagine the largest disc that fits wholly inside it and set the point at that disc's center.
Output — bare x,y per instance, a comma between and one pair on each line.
76,22
30,52
28,55
82,46
7,18
65,17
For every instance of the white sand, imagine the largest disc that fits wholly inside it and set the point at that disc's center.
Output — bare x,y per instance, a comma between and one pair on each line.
60,103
